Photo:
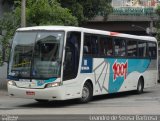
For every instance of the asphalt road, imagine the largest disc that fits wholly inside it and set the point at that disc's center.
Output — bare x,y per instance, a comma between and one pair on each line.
121,103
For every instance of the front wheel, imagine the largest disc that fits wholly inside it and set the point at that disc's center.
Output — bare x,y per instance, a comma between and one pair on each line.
140,86
87,93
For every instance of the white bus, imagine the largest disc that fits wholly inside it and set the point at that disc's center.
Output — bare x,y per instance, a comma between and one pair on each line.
62,62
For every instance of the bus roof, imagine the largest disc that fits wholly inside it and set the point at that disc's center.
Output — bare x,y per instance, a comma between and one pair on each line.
94,31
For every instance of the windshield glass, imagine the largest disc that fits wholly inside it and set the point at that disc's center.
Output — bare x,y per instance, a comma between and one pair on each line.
36,54
47,54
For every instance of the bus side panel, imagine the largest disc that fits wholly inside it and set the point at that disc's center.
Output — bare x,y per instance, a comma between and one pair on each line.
116,75
101,71
95,69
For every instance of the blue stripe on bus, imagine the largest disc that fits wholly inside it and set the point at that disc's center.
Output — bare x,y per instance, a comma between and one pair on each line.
42,82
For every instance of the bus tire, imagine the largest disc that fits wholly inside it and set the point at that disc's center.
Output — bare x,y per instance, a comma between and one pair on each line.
41,100
140,86
87,93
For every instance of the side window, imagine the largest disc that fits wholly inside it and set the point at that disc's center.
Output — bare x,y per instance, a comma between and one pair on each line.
152,50
132,48
142,49
106,46
87,45
90,44
120,47
94,43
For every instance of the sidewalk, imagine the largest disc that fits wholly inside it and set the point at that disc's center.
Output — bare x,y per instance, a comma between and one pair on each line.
3,93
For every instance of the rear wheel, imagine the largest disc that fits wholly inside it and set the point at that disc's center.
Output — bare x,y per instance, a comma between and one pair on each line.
140,86
87,93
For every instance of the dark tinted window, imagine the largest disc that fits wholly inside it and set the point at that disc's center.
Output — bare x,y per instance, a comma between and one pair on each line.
72,55
106,46
90,44
119,47
132,48
142,49
152,50
94,45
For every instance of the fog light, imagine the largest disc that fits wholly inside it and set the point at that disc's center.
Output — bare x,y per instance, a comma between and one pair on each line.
54,84
11,83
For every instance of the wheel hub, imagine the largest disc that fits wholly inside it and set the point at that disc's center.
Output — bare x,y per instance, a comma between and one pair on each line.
85,93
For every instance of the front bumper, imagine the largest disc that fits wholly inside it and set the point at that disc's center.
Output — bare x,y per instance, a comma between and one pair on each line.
53,93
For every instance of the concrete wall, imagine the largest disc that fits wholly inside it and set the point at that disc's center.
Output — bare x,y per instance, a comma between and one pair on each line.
3,76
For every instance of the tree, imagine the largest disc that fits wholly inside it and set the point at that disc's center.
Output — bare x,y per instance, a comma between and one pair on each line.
46,12
85,10
38,12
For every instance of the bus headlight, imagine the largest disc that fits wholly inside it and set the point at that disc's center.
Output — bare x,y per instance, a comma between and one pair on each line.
54,84
11,83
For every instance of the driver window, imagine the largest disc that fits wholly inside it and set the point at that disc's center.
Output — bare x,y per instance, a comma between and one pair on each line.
47,49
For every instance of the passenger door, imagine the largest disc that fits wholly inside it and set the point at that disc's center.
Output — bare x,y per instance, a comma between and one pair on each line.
72,55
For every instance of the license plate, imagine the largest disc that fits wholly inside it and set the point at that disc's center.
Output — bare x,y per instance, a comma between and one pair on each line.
30,93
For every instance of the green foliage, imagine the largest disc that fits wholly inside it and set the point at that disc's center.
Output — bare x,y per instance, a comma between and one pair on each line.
85,10
48,12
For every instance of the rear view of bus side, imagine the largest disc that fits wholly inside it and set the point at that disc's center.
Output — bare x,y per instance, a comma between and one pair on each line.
88,63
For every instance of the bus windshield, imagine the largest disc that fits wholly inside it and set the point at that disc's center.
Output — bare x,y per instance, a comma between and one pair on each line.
36,54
